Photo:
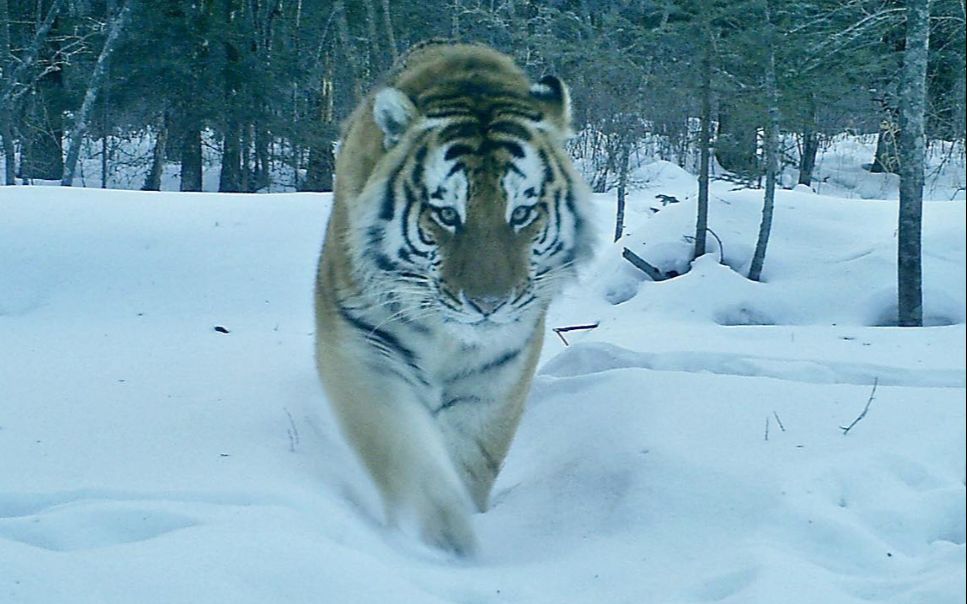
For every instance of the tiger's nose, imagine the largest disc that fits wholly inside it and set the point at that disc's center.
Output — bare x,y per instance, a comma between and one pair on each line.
486,305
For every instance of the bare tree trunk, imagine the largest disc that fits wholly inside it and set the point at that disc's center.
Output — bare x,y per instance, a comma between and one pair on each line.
230,177
322,161
772,154
810,146
807,161
6,111
152,182
79,129
704,141
191,170
342,28
390,36
455,9
375,55
9,151
911,151
623,168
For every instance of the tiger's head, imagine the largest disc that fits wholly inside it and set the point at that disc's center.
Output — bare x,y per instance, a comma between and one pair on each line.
474,213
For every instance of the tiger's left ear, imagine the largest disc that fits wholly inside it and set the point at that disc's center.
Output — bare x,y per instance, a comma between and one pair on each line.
554,96
393,112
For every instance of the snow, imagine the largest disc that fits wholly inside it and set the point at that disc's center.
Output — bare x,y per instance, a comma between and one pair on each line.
686,450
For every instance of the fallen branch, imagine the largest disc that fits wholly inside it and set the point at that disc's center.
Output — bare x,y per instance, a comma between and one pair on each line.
721,247
560,330
846,429
642,265
778,421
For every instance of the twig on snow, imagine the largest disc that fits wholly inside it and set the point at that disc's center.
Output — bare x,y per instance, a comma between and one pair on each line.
766,437
778,421
292,431
846,429
560,330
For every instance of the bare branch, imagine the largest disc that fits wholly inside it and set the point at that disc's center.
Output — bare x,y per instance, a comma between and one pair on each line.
846,429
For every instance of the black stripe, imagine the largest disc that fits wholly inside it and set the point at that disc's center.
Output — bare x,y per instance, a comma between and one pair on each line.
384,341
411,205
491,144
466,398
457,150
462,129
416,175
388,208
487,367
512,128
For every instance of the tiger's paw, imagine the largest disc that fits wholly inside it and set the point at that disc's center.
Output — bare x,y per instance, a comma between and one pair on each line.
450,530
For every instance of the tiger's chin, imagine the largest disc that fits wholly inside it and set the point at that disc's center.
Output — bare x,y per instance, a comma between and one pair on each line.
480,330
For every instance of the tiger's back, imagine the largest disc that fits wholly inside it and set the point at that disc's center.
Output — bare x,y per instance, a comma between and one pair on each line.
456,217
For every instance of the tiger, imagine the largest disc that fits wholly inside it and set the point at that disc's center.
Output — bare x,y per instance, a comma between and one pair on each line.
457,217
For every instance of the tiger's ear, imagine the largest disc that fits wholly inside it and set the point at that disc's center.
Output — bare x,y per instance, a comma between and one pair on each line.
553,94
393,112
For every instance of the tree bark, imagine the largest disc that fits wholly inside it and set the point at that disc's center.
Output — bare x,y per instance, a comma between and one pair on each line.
6,111
152,182
79,129
230,177
619,223
390,36
191,170
704,141
911,150
810,146
807,161
771,152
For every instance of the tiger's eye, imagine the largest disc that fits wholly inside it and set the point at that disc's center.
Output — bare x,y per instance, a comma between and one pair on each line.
520,215
448,216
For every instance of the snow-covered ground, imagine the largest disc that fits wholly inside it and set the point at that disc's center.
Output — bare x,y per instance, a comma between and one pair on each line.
687,450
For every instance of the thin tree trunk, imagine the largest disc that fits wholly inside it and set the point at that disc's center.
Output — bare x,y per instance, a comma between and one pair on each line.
772,155
911,150
810,146
375,55
619,223
191,170
9,151
342,28
152,182
807,161
230,177
79,129
390,36
454,20
6,111
105,104
704,141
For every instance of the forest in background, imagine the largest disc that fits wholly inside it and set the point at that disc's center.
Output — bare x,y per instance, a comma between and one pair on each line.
263,85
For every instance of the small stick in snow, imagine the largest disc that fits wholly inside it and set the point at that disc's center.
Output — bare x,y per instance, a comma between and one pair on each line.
767,429
292,431
560,330
778,421
846,429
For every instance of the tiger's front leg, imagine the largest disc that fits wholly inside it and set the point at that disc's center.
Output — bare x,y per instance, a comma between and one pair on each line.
480,409
388,423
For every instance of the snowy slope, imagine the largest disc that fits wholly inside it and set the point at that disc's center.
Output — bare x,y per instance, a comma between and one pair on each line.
687,450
